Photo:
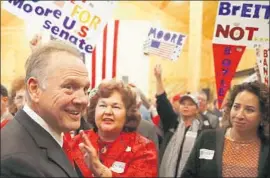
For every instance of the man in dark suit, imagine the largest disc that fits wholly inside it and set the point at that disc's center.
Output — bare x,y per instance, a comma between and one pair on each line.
148,130
205,114
56,85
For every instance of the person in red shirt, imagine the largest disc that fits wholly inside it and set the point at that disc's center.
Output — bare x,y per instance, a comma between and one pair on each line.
5,114
113,148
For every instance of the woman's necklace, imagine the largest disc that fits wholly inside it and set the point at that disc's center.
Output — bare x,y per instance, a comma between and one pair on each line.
102,148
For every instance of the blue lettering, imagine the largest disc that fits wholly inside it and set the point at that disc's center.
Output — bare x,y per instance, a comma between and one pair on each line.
71,26
235,9
224,8
257,11
57,14
180,39
152,31
55,30
39,10
47,24
226,62
225,71
227,50
167,36
221,92
89,48
16,2
173,38
62,33
160,34
73,40
27,8
246,10
267,11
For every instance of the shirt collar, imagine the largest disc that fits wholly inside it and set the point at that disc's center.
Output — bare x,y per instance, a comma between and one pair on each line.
205,112
33,115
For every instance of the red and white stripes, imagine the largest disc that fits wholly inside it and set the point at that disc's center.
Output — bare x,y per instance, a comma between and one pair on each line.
104,57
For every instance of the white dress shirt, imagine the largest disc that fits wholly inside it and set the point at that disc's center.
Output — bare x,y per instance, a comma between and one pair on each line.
33,115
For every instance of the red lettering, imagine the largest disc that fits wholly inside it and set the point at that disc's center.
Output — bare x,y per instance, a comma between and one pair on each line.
265,71
265,53
224,32
233,35
266,80
83,32
236,33
251,32
265,62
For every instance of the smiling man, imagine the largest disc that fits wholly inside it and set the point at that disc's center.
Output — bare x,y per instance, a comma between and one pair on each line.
56,91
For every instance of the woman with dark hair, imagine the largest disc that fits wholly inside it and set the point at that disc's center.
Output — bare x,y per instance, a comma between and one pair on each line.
241,149
114,148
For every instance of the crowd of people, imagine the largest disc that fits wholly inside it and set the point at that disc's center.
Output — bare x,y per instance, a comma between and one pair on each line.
54,125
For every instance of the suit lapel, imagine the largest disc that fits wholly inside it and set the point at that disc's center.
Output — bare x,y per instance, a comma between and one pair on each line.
45,141
263,158
58,157
219,149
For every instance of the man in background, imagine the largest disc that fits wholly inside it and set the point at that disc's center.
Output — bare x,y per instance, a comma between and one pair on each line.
5,114
206,116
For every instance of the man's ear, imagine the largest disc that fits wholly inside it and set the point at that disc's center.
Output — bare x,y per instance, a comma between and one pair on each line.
34,89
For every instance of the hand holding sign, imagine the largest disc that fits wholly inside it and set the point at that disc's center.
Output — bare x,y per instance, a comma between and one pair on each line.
35,42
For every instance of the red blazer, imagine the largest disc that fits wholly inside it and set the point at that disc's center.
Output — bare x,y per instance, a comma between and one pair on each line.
130,155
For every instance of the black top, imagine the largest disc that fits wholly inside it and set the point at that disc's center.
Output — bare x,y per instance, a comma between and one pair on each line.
214,140
169,121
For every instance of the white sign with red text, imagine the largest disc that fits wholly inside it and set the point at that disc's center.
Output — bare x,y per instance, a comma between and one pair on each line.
242,23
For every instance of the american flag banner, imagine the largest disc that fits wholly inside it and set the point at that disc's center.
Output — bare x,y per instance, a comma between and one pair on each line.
164,44
119,54
102,62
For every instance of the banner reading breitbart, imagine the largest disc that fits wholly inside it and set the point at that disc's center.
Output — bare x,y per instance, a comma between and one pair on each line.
239,25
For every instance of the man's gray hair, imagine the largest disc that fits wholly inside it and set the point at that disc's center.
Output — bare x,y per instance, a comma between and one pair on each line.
38,62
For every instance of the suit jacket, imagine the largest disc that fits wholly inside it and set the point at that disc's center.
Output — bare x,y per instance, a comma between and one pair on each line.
4,123
213,119
214,140
27,150
130,155
148,130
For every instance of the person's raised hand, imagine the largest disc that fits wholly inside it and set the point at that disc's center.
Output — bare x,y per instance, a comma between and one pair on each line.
158,71
35,42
